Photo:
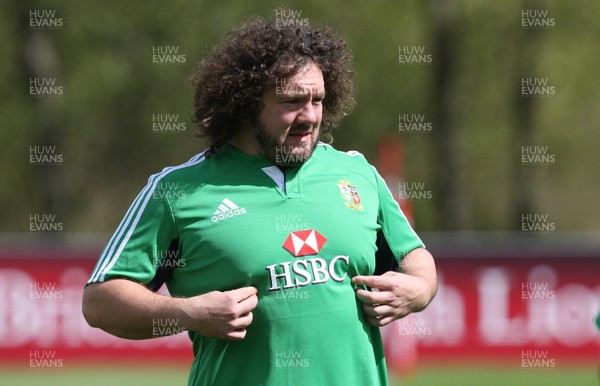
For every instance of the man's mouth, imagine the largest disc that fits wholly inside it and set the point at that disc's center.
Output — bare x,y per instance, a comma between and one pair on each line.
300,136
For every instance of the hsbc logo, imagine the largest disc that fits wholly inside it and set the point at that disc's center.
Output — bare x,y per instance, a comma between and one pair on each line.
303,243
303,272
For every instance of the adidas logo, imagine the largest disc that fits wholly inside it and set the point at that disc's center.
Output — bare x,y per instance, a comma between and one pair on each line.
226,210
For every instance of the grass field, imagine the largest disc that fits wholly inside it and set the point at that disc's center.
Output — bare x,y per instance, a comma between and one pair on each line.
487,375
426,375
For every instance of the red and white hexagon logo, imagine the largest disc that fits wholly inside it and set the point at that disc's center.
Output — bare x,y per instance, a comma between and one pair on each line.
303,243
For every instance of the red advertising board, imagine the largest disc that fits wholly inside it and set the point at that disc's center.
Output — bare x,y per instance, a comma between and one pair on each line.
512,309
494,308
40,312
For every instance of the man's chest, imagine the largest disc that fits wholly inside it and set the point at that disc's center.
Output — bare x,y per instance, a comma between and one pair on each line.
232,235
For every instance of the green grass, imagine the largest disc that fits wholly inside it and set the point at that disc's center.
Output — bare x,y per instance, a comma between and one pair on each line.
487,375
426,375
100,375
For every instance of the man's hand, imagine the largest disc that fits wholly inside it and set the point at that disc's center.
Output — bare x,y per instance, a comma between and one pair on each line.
399,293
221,315
129,310
397,297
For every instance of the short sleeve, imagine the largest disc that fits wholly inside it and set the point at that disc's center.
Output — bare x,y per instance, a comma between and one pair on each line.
142,240
396,234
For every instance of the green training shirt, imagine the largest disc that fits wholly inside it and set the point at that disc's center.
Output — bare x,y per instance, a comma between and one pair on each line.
299,236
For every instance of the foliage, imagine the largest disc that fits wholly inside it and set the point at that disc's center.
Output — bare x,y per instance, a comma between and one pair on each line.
102,124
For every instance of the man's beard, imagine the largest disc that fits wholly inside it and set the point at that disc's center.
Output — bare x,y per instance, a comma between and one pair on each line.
283,156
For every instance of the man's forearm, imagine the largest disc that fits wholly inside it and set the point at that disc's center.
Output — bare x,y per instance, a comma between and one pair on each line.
129,310
419,263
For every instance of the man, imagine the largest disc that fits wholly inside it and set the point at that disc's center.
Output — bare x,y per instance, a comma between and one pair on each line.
276,239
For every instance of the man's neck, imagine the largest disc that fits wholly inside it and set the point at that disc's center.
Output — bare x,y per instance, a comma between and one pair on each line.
245,141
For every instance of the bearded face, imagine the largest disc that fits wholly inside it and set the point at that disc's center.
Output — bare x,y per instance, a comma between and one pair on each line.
287,128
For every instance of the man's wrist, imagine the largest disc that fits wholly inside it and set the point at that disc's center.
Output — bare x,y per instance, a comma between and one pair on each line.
424,296
180,309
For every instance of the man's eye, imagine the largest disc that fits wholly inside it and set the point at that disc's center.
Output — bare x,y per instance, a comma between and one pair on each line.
317,101
291,101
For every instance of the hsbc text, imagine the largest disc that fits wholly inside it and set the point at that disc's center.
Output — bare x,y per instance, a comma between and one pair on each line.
301,273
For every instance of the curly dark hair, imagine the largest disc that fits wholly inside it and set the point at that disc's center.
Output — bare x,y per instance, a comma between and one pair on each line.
231,80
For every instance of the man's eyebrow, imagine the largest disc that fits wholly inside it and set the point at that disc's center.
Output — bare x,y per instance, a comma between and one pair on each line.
291,94
298,92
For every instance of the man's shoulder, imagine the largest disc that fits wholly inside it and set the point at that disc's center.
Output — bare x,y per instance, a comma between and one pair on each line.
349,163
191,170
350,156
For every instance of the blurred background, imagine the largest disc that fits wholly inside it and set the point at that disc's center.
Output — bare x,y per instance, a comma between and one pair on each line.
482,116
